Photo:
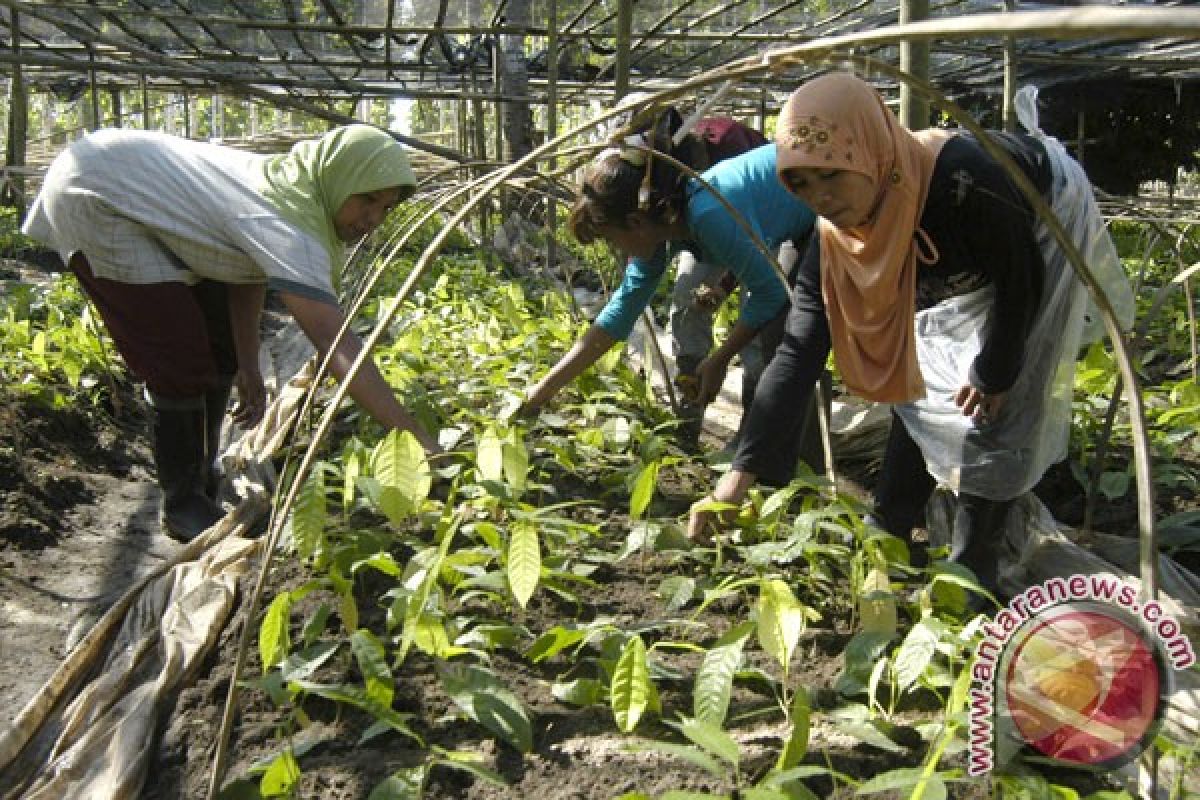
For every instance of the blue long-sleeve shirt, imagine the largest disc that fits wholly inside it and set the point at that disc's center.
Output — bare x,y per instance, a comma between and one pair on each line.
749,183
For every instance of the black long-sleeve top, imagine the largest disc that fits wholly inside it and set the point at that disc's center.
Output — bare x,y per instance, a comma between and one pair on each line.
983,230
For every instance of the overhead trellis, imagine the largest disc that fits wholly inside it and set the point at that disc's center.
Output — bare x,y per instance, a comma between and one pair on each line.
319,52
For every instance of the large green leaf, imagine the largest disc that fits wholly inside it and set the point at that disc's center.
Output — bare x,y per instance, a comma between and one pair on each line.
714,679
915,652
524,565
372,662
309,516
482,697
712,739
273,639
780,620
489,456
399,466
643,490
632,692
796,746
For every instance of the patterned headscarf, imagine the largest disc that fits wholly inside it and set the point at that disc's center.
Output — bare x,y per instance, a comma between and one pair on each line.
868,273
309,183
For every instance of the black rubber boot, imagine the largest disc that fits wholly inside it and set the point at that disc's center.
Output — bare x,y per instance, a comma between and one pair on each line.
975,540
181,462
216,403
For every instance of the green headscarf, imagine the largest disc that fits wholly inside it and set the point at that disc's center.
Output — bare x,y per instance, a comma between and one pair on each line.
309,183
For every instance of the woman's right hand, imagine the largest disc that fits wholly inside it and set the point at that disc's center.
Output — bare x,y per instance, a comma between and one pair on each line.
731,489
252,398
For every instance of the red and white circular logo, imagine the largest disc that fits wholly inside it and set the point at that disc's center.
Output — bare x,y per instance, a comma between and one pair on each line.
1083,685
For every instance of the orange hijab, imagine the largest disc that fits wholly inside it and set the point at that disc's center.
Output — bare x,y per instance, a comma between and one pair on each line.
868,273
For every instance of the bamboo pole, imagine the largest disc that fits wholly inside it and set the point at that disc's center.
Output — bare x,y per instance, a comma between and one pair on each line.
624,37
18,121
914,59
1009,111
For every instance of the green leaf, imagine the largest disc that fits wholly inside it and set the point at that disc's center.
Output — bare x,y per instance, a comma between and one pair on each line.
405,784
712,740
915,653
714,678
301,665
398,463
677,591
877,604
692,755
631,690
468,762
892,780
273,640
643,490
553,642
796,746
483,698
309,516
780,620
415,606
281,776
372,662
515,463
579,692
524,565
489,456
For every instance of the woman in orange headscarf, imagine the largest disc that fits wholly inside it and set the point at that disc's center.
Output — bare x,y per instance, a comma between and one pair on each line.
939,292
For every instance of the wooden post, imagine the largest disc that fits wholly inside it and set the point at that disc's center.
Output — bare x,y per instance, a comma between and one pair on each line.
146,115
551,127
914,59
114,97
624,35
94,122
18,124
1010,76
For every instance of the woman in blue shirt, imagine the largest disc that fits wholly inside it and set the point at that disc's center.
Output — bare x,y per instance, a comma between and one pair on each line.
678,211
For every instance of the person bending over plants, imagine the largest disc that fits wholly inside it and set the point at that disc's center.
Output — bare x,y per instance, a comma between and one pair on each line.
941,293
176,243
648,209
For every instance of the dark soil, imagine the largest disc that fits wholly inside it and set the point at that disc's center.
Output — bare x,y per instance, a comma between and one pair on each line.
68,473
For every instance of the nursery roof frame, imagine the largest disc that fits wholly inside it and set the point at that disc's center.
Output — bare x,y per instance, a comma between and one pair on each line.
308,55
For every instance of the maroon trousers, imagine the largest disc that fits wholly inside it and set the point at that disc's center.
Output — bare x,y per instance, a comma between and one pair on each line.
175,337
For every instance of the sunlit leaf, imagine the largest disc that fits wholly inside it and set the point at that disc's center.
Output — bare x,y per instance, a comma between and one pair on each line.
796,746
712,740
643,490
309,516
780,620
631,690
273,638
405,784
281,776
524,565
372,663
714,678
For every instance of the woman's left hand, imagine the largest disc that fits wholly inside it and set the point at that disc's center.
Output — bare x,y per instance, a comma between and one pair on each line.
252,398
982,408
